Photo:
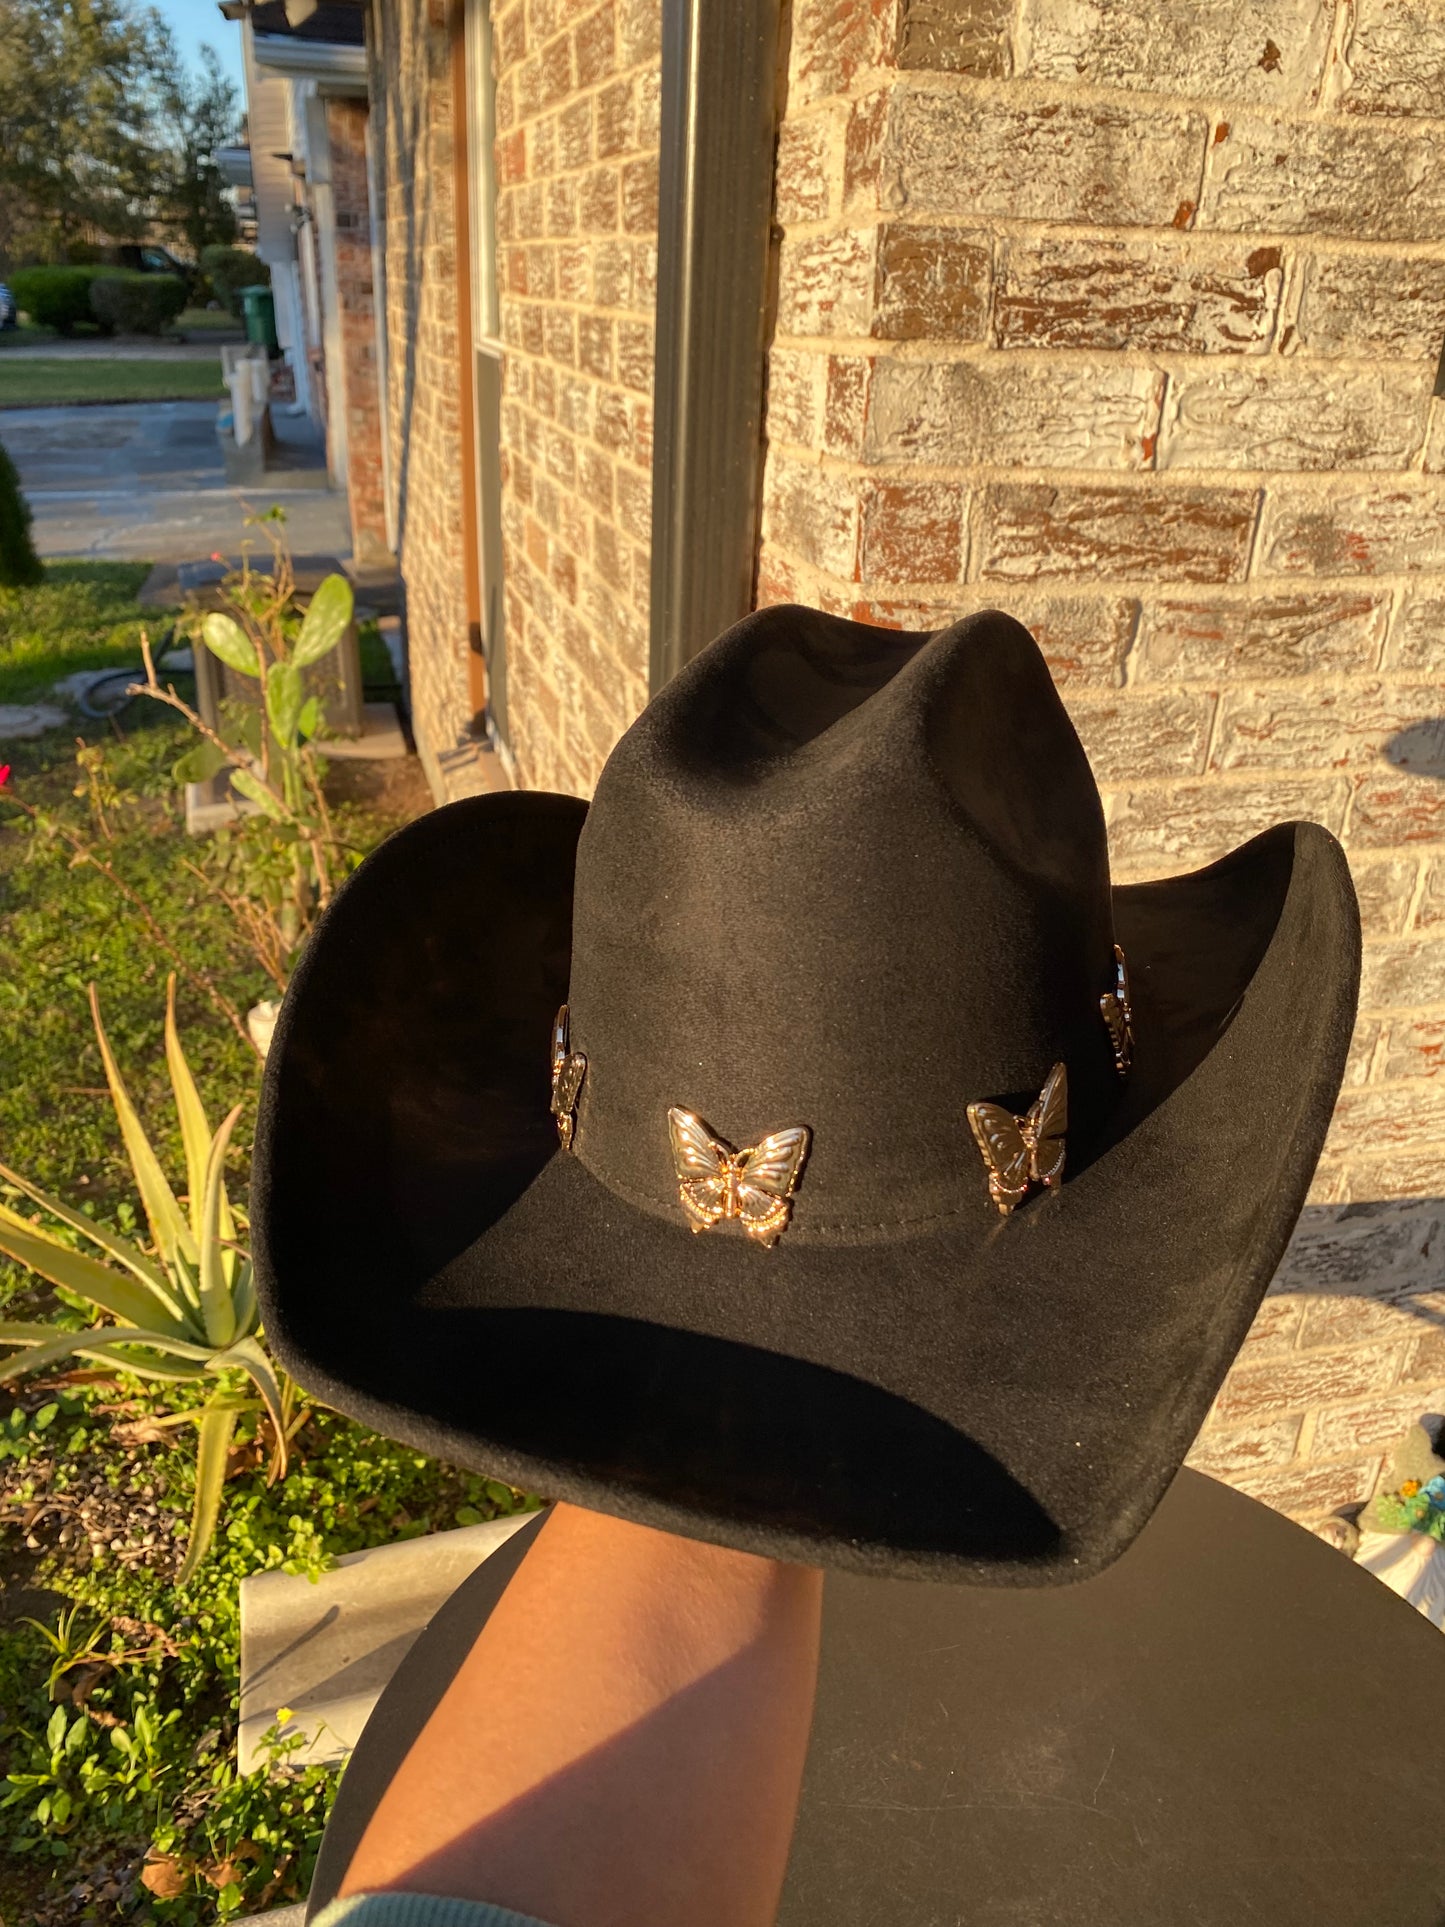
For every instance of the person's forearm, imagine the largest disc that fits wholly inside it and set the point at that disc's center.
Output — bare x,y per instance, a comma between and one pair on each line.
623,1744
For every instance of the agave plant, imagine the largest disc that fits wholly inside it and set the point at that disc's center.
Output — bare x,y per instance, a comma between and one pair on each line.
186,1309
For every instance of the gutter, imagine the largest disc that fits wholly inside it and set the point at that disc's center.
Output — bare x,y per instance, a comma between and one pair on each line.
310,59
716,174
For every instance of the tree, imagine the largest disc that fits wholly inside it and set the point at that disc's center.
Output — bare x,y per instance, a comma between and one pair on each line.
104,131
199,113
78,101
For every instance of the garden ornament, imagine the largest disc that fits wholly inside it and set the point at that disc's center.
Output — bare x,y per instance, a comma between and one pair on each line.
892,1192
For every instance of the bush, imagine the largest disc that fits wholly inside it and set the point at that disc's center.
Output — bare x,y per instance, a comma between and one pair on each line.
137,304
19,565
229,270
55,297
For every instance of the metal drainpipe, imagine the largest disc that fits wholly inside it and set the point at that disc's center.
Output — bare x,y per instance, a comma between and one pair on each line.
718,136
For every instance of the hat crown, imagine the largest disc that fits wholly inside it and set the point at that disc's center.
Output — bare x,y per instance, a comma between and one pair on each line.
849,879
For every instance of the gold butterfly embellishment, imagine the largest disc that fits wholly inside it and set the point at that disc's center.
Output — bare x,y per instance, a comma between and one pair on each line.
1020,1151
569,1067
755,1185
1118,1015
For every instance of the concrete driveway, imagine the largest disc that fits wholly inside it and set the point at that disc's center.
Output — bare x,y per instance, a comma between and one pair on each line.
144,481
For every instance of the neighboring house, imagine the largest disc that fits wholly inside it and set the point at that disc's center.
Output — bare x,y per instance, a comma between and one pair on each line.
306,110
1125,318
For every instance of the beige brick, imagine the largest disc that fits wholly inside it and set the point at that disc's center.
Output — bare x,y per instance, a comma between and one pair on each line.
1415,1047
1370,305
1417,636
846,392
911,531
1313,1491
826,283
1265,636
955,36
1320,726
1152,296
1336,1319
615,112
1179,534
1000,410
1404,976
1373,1118
810,167
1395,810
1295,414
1426,1359
1404,1177
1430,914
795,397
933,282
1394,59
1354,528
1162,830
1364,1049
1385,886
639,32
1327,1186
832,42
1211,47
991,157
1276,1326
1366,178
814,513
1378,1424
1305,1379
1227,1452
1085,640
1137,735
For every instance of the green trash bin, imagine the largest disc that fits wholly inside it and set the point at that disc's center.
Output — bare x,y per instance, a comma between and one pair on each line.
258,306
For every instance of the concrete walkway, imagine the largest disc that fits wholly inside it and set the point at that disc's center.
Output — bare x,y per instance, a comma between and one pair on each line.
145,481
197,347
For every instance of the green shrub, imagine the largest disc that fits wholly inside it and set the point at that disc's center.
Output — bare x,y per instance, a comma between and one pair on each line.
19,565
229,270
55,297
137,304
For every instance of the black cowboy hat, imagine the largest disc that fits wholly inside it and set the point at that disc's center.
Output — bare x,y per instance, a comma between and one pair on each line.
842,900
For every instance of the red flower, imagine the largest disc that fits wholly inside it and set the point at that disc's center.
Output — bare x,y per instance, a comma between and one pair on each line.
216,556
4,774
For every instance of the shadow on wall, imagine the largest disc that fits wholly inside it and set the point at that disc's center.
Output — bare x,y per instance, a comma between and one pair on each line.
1420,749
1347,1352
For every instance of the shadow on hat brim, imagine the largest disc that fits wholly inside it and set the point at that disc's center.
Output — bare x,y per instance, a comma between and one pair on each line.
1003,1403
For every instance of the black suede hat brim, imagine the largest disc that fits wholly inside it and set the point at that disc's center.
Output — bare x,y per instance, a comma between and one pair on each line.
1004,1401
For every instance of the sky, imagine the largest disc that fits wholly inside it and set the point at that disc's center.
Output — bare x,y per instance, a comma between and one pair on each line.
196,23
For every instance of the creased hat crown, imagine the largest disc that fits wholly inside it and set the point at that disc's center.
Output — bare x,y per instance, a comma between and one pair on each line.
836,878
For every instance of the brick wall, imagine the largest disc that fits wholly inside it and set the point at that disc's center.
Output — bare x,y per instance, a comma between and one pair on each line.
1124,317
361,398
576,155
411,105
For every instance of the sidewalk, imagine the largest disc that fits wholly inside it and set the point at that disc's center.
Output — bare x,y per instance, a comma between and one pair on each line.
144,480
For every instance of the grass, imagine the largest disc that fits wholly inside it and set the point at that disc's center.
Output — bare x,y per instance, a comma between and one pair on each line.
84,616
50,382
27,334
80,1812
200,321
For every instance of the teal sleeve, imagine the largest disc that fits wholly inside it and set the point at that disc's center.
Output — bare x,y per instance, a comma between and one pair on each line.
417,1910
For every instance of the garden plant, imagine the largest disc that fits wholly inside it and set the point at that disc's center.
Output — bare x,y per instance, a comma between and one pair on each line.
19,565
278,870
182,1311
120,1796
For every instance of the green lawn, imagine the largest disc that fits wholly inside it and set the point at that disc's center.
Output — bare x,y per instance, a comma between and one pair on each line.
199,321
69,1854
84,616
47,382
